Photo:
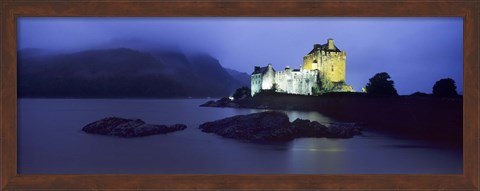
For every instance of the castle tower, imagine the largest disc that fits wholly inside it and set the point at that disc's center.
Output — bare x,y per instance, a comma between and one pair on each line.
328,60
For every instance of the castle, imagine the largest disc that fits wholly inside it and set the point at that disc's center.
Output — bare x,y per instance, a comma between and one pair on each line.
323,71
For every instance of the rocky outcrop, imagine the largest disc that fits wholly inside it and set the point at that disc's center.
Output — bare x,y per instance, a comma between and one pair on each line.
275,126
115,126
223,102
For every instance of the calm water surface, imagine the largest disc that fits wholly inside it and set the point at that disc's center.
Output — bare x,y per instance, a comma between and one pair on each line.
50,141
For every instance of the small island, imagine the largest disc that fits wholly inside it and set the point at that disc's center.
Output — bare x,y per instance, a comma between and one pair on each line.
115,126
275,126
411,116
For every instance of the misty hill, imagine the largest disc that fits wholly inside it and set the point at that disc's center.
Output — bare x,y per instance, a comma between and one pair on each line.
243,77
123,72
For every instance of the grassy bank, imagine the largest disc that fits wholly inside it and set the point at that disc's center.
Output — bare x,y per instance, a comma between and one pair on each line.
408,116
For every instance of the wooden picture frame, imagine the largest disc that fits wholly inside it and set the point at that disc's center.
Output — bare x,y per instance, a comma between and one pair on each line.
11,10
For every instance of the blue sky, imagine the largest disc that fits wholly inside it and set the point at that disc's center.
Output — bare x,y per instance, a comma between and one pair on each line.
416,52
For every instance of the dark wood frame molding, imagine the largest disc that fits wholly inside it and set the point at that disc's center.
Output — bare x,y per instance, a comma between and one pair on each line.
10,10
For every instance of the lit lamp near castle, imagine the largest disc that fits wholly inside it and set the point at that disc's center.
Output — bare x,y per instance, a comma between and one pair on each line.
323,71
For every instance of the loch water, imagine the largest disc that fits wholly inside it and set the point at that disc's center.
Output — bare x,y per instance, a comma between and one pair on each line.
50,141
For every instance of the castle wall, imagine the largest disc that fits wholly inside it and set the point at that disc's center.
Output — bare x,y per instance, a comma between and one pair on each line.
308,62
298,82
283,80
255,83
268,78
332,66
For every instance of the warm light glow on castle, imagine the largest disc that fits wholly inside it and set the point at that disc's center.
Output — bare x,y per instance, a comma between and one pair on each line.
324,70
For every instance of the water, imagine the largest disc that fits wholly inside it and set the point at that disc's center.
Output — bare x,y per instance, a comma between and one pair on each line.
50,141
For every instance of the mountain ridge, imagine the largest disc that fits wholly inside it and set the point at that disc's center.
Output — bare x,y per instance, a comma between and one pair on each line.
124,73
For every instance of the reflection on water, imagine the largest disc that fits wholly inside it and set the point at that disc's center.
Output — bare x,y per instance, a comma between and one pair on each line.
311,115
50,142
327,155
292,115
312,145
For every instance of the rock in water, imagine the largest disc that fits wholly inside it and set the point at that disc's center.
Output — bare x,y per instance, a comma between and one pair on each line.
115,126
307,128
274,126
270,126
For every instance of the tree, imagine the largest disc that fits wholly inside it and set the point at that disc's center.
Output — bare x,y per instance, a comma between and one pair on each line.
381,84
242,93
445,88
315,91
325,85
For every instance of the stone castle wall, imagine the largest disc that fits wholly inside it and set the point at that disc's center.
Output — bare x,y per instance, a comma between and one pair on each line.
255,83
296,82
268,79
331,65
288,81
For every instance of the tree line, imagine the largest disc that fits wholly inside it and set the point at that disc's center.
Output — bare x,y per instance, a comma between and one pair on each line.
381,84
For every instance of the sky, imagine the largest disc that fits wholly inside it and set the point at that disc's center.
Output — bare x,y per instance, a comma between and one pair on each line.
416,52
